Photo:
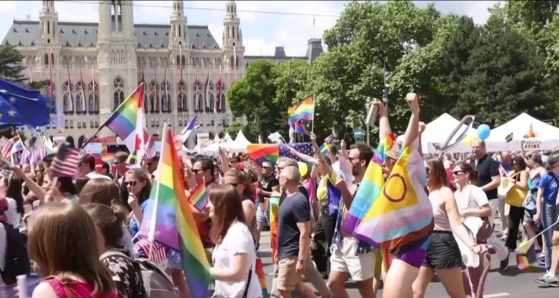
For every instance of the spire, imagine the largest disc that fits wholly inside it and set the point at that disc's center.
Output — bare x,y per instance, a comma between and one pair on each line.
179,31
231,9
232,35
48,24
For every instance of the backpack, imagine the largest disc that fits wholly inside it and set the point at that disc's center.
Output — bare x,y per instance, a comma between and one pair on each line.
156,282
16,258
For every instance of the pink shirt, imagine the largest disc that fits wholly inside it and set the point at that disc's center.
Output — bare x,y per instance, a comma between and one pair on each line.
75,290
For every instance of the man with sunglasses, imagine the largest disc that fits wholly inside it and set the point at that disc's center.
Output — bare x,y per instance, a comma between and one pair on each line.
152,164
269,184
204,169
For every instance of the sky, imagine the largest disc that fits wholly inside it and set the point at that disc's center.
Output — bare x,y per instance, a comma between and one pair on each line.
265,24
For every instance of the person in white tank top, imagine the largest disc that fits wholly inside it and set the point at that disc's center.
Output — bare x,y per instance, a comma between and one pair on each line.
443,254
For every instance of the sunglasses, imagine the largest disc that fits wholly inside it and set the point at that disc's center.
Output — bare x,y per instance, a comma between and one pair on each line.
131,183
457,172
196,171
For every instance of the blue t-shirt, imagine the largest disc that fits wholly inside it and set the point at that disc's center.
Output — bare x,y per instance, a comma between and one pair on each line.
134,224
294,209
550,187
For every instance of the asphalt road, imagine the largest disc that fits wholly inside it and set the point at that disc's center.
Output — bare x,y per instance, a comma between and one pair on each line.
509,283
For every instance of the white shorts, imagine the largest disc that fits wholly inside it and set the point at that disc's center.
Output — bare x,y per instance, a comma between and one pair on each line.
344,259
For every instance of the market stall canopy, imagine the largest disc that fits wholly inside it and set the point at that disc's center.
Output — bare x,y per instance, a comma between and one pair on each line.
437,131
536,134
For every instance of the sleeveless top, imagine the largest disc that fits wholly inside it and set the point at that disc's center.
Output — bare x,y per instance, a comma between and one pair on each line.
75,289
253,227
441,218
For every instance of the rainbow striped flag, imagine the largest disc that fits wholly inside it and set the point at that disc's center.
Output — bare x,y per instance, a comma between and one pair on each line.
400,217
17,146
260,152
169,219
386,145
302,111
261,277
128,122
109,158
274,223
300,129
199,196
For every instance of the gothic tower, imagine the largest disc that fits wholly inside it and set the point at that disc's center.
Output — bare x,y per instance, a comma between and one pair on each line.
179,56
232,39
48,47
118,71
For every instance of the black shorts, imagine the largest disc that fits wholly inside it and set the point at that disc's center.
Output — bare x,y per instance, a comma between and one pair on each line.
443,251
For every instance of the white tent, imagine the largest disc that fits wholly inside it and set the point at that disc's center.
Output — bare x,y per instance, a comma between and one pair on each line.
437,131
227,138
239,145
546,136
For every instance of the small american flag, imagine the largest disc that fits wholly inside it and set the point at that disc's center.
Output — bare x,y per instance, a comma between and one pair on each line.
305,148
150,150
156,252
65,163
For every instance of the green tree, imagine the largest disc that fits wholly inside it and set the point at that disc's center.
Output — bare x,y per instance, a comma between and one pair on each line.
292,82
11,64
253,97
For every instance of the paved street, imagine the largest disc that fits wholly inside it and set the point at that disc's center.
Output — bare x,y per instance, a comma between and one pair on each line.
510,283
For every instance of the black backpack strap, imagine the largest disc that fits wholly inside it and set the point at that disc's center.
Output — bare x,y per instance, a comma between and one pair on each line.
248,283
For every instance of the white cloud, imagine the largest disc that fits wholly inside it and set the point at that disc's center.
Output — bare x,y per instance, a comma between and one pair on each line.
291,25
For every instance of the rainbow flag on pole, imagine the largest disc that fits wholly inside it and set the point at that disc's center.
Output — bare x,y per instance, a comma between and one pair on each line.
129,124
169,219
199,196
302,111
263,151
400,217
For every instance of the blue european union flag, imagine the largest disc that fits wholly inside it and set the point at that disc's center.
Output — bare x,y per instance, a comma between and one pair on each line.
21,106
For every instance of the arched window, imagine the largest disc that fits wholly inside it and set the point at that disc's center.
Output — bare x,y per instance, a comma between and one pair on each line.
118,95
210,104
166,106
64,61
93,98
80,98
183,60
67,100
46,59
200,102
237,62
232,61
223,108
152,105
196,106
182,104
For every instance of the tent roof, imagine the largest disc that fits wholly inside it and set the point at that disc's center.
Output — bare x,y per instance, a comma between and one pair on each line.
241,139
520,127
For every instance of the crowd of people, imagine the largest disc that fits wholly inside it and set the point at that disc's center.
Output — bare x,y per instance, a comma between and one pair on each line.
80,235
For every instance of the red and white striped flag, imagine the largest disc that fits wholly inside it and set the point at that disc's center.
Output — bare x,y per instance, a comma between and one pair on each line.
207,93
150,150
502,170
156,252
65,163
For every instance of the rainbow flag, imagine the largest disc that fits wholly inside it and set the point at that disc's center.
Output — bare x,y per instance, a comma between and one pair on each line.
17,146
261,277
302,111
300,129
259,152
109,158
400,217
274,223
526,259
128,121
386,145
199,196
265,205
169,219
368,192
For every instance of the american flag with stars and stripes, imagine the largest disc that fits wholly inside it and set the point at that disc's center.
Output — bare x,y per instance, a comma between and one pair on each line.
155,253
150,150
65,163
305,148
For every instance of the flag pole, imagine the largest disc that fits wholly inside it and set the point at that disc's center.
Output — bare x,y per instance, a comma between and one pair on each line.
313,113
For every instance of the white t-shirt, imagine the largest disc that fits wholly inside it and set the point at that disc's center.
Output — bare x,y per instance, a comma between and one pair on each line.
473,195
238,240
14,218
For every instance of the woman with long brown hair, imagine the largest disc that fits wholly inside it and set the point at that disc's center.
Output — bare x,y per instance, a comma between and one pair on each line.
114,256
234,256
240,181
443,254
63,243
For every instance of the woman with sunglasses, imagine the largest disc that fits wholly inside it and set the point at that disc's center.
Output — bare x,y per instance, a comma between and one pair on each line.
443,254
472,202
139,186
